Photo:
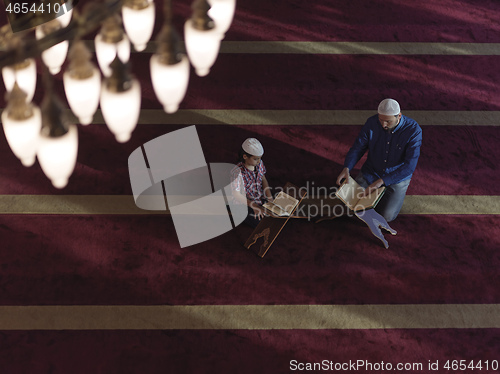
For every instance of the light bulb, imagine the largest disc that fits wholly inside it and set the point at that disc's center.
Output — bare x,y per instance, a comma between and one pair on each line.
54,56
111,42
222,12
139,21
121,110
22,122
57,156
121,101
24,74
82,83
106,52
170,82
202,47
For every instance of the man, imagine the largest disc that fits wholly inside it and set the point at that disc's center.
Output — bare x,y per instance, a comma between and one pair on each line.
393,142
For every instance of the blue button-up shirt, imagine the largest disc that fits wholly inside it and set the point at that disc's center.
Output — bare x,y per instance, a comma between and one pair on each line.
392,154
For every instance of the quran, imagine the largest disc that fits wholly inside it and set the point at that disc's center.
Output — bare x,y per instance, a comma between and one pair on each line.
282,205
352,195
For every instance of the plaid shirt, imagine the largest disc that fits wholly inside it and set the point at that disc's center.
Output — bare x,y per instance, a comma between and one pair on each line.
251,180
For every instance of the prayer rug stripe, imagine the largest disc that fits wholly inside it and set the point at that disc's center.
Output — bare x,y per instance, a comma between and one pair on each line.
366,48
304,117
308,117
119,204
249,317
349,48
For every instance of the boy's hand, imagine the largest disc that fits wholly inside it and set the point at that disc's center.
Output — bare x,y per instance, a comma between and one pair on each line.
259,212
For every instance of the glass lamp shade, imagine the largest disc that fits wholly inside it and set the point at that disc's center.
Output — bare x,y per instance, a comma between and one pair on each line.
64,18
106,52
57,156
202,47
22,136
83,95
55,56
25,77
139,24
222,12
170,82
121,110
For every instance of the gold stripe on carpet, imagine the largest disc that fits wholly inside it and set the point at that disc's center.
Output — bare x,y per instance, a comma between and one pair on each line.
124,204
342,48
350,48
304,117
71,204
451,204
190,117
366,48
250,317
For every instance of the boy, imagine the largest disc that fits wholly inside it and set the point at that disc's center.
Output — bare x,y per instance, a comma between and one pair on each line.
256,190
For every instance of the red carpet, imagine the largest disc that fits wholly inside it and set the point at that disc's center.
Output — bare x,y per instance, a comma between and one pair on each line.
465,21
332,82
241,351
306,155
137,260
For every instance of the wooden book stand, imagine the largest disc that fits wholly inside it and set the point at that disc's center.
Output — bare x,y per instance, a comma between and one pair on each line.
270,226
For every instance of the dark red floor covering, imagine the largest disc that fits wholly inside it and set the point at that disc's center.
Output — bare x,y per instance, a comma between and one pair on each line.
462,21
344,82
242,352
454,160
455,21
359,20
69,260
465,21
331,82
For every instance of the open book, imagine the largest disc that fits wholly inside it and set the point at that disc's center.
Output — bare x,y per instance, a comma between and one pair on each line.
351,194
283,204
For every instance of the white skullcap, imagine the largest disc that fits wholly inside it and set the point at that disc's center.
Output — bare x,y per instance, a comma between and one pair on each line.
389,107
252,146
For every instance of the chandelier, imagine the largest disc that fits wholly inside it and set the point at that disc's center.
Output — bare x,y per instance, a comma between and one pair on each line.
46,132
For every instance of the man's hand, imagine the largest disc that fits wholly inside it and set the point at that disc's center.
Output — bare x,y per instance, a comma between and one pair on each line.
343,175
374,186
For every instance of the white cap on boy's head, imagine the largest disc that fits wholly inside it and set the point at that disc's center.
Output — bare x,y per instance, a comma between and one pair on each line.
389,107
252,146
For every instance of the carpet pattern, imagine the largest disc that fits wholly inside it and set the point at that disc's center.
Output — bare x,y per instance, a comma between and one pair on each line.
318,152
113,264
210,352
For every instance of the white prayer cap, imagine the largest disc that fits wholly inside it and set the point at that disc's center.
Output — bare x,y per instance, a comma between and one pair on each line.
252,146
389,107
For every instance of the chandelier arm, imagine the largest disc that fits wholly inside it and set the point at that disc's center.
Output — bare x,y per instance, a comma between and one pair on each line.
167,11
88,22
